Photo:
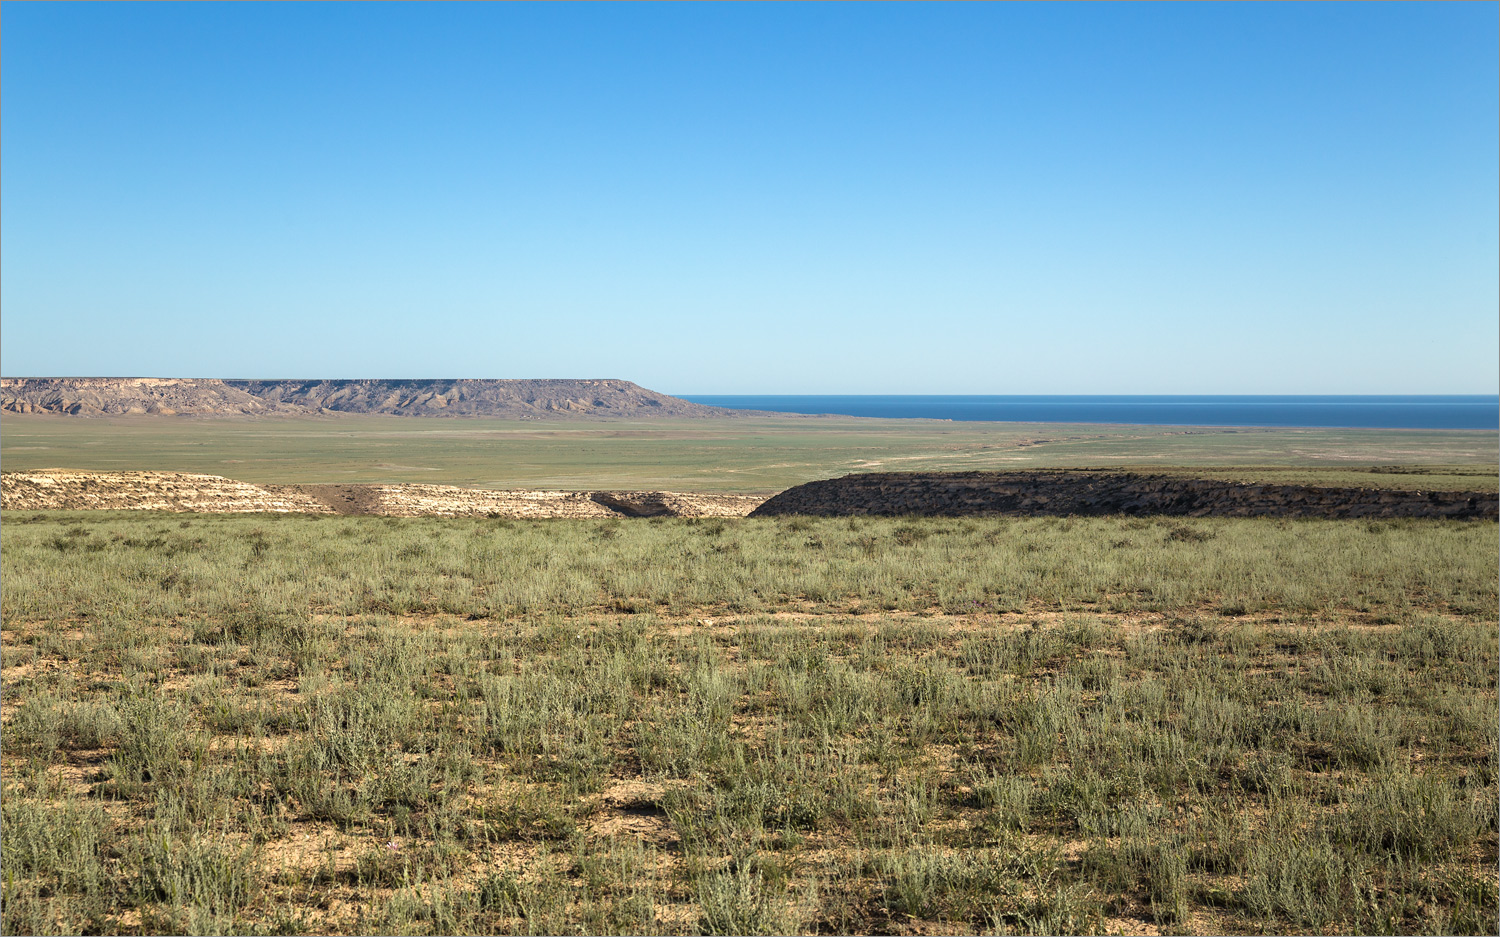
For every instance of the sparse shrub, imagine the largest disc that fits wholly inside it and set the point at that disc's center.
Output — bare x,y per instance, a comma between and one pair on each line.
909,534
1067,908
738,902
88,726
200,884
915,880
35,728
1006,797
1185,534
1164,870
1418,817
1247,777
157,746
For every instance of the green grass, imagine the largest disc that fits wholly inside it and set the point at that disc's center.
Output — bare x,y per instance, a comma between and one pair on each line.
76,564
757,455
358,724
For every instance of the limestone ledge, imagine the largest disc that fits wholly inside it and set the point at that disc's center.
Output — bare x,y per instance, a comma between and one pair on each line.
62,490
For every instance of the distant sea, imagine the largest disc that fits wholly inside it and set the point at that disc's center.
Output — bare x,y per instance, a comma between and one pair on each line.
1388,411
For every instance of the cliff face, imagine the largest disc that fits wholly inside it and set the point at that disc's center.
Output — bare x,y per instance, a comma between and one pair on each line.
537,399
534,399
113,396
1080,493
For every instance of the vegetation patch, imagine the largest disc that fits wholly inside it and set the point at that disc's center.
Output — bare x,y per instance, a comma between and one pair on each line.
323,724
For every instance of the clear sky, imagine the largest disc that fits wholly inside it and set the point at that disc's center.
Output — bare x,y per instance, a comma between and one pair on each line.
780,198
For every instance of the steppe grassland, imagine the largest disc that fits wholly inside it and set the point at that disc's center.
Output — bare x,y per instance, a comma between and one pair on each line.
761,455
293,723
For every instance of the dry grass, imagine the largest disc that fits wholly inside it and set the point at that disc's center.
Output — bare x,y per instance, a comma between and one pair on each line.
218,724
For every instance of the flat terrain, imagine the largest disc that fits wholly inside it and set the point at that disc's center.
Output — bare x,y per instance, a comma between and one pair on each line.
315,723
743,455
326,724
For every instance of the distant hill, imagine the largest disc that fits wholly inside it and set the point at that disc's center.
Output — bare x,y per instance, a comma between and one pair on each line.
519,399
112,396
515,399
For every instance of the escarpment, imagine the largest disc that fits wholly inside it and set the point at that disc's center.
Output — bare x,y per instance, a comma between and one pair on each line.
61,490
447,397
132,396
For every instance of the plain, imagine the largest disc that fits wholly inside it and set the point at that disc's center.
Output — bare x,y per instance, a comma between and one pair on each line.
743,455
294,723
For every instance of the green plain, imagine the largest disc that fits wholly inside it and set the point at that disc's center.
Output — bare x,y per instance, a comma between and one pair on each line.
345,725
749,455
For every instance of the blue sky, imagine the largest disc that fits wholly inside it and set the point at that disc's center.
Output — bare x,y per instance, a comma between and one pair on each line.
724,198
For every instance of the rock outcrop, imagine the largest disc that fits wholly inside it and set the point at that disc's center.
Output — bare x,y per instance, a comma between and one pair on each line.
178,491
504,399
1082,493
148,491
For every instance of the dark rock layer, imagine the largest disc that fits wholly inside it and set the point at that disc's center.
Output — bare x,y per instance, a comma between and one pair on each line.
1078,493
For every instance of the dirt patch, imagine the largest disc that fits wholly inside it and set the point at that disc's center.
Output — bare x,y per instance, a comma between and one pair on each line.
675,504
634,808
345,499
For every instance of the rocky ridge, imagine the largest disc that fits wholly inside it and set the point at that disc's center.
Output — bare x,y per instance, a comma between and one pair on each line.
1060,493
517,399
60,490
129,396
504,399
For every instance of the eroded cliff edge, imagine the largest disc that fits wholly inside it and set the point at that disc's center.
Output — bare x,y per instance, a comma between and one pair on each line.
62,490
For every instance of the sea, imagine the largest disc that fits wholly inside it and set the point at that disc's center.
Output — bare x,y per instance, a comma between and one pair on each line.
1389,411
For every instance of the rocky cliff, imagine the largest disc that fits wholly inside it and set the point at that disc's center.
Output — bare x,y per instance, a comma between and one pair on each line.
118,396
1082,493
515,400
